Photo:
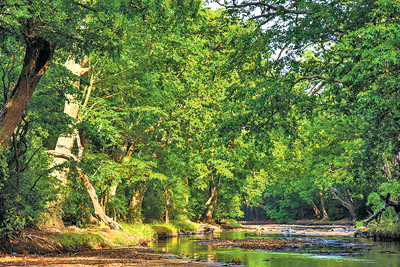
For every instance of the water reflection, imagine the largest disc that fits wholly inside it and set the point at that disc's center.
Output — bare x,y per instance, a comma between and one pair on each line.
366,252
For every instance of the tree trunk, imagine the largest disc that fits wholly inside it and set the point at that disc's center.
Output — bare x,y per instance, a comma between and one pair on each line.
167,207
346,202
324,213
256,212
38,56
316,210
65,143
135,207
120,152
212,201
98,210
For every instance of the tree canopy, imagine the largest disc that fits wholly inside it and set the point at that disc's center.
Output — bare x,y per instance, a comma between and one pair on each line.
154,110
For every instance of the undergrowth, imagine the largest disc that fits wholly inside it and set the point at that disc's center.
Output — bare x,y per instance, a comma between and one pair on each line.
386,229
78,241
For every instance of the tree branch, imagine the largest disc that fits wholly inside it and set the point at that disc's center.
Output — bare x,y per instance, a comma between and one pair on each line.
276,8
63,155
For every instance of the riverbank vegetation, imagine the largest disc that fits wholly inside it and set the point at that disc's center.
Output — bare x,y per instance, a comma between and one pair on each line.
95,237
131,112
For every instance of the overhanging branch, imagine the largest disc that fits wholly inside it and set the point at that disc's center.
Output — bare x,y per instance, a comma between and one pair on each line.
279,9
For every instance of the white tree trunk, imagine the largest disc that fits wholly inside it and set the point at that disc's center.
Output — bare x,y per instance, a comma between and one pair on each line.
64,144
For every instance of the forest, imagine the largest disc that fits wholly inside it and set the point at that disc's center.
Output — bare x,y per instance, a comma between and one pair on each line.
142,111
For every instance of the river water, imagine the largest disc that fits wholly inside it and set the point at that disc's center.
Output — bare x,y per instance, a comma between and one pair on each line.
326,251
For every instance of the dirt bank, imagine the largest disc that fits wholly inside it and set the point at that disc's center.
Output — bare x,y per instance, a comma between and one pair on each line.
122,256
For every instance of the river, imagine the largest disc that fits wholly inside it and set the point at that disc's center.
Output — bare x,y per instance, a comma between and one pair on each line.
325,251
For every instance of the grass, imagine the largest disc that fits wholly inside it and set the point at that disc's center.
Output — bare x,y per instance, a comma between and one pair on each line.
232,222
36,241
148,232
186,227
165,230
93,238
78,241
141,231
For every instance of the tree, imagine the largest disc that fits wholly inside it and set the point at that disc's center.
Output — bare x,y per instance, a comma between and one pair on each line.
39,27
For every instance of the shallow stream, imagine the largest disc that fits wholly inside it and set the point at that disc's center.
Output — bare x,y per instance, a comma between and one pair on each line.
318,251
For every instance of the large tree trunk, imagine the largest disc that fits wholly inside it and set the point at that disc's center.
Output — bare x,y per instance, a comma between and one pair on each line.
212,201
256,213
65,143
38,56
324,213
135,207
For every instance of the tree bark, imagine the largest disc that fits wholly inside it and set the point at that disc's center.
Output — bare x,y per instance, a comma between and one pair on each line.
324,213
38,57
212,201
135,207
316,210
167,207
98,210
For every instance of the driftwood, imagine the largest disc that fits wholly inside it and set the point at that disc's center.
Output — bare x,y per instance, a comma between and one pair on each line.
386,203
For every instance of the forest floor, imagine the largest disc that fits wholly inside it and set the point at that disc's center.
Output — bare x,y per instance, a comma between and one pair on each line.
143,256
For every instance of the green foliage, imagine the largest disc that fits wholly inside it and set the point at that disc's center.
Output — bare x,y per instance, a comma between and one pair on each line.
213,113
76,204
185,226
142,231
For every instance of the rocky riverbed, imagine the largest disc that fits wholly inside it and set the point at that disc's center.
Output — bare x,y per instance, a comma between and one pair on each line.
331,230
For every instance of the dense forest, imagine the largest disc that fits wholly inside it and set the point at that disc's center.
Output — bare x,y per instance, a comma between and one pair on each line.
154,110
